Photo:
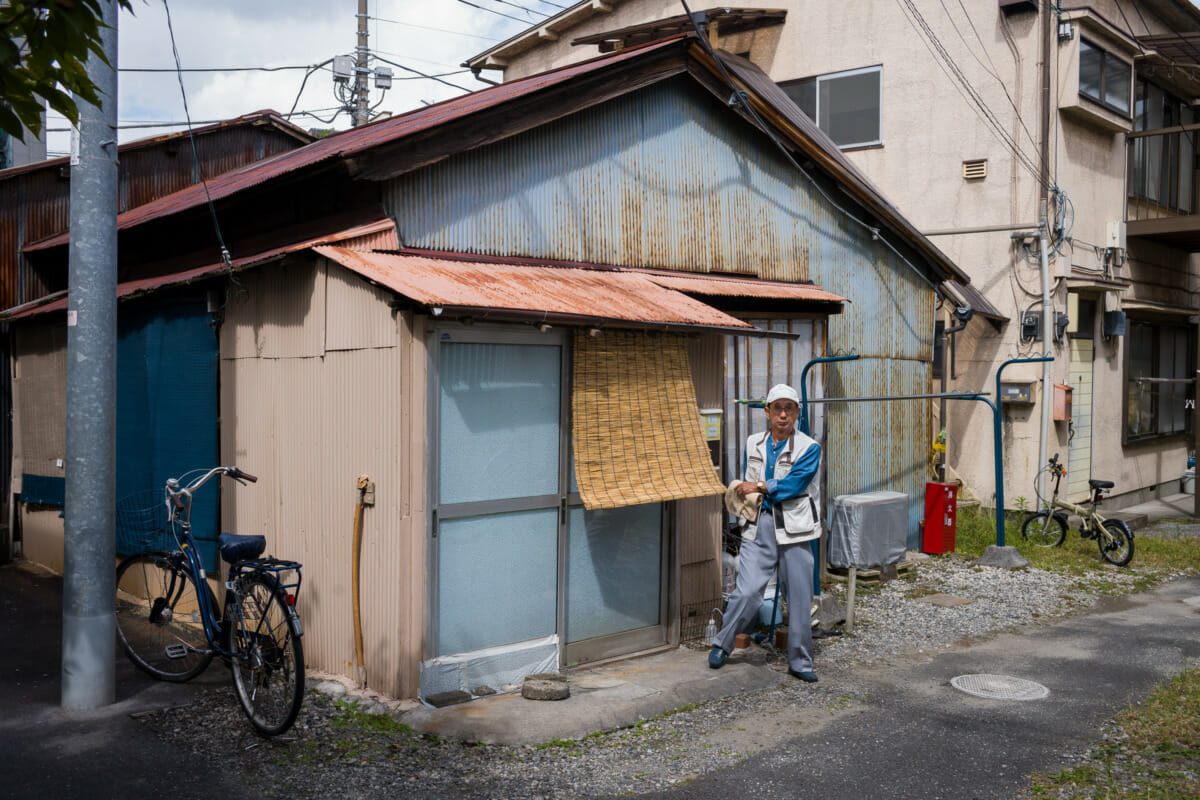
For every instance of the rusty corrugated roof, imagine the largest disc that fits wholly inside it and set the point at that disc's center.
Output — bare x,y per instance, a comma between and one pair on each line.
381,230
356,140
552,293
762,92
266,116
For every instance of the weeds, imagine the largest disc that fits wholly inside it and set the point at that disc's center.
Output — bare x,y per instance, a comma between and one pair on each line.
1156,750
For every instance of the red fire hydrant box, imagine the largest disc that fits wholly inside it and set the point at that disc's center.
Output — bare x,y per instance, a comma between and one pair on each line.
941,501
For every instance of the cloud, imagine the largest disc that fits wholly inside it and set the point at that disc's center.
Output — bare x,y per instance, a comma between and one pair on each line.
430,36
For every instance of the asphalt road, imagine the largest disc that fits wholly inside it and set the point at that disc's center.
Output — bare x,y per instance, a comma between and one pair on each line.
919,737
48,753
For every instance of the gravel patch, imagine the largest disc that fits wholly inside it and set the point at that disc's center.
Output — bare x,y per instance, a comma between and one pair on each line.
338,742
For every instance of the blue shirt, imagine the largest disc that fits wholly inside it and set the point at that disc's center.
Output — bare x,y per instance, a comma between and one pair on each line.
798,478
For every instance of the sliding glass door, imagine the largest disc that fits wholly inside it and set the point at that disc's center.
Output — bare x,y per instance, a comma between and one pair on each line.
515,557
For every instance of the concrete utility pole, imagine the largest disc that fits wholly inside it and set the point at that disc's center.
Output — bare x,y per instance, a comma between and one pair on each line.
88,669
362,110
1047,30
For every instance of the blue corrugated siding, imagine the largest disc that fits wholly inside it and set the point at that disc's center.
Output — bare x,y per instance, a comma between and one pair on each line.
669,178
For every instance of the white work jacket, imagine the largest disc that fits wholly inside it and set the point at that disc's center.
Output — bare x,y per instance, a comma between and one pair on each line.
801,521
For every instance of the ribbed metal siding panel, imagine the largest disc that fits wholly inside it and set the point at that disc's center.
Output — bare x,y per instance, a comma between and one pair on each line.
309,426
661,178
879,446
891,313
752,366
357,314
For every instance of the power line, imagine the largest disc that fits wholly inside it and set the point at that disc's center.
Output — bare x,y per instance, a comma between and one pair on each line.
493,11
437,30
214,69
191,138
963,86
425,75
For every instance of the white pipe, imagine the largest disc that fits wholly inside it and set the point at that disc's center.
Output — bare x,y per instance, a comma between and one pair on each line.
1047,349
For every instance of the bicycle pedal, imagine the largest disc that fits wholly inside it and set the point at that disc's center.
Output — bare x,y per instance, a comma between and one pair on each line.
176,650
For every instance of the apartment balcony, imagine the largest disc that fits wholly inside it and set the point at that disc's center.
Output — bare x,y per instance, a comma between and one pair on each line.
1161,187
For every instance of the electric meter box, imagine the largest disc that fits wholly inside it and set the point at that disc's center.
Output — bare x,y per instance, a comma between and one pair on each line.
710,425
1016,391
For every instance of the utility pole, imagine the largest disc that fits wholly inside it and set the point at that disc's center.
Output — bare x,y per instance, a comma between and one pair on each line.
361,113
1047,31
89,547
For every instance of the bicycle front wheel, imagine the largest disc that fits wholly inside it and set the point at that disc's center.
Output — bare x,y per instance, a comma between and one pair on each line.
268,663
1116,542
1044,529
160,621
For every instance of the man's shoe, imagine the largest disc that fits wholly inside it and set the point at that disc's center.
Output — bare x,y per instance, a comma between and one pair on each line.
716,657
805,675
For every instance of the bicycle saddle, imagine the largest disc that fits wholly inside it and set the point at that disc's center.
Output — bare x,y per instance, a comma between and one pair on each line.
236,547
1100,484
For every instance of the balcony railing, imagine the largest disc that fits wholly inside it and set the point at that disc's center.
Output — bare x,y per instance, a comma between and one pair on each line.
1161,186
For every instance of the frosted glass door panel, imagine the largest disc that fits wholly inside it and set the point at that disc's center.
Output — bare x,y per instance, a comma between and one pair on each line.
499,433
614,569
497,579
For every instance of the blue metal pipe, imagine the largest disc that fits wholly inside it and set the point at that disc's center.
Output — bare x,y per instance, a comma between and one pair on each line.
996,409
804,385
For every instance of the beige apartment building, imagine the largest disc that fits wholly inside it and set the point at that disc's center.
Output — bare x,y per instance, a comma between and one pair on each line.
990,124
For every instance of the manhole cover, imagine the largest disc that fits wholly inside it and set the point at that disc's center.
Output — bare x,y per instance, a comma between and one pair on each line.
999,687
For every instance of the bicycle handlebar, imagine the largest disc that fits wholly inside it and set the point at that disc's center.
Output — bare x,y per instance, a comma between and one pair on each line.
176,493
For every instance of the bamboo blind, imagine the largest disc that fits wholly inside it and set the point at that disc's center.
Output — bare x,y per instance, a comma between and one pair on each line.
635,422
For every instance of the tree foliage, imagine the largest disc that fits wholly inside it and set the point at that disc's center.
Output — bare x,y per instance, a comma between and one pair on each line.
43,56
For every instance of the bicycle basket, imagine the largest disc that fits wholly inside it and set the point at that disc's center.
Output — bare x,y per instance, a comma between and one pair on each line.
142,524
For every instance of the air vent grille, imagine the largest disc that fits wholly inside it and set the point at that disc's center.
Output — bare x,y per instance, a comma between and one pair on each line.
975,169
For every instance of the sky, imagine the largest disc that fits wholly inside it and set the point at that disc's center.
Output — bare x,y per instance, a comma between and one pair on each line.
431,36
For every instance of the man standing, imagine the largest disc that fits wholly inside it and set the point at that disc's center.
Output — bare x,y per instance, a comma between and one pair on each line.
779,465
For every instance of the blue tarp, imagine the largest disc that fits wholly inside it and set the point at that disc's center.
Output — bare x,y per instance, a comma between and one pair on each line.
167,405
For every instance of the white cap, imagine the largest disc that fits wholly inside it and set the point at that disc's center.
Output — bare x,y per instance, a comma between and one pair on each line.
781,391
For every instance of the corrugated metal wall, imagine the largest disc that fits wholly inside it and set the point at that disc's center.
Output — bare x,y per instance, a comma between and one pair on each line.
668,177
321,383
39,383
661,178
700,518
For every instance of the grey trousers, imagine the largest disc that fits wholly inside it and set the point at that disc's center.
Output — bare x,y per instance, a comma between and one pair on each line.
757,560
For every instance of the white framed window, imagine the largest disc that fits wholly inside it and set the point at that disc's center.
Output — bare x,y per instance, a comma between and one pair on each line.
845,105
1104,78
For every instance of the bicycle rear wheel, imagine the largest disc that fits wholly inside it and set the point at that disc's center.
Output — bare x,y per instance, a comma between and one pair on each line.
268,663
159,617
1118,550
1044,529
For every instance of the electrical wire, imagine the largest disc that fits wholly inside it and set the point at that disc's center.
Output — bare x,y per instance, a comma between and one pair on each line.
992,71
212,69
963,85
436,30
307,75
739,99
493,11
225,257
425,75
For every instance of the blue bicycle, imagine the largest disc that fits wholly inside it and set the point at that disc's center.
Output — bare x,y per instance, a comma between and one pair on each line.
171,627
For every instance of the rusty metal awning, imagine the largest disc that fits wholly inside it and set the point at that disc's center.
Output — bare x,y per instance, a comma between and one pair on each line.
808,295
570,295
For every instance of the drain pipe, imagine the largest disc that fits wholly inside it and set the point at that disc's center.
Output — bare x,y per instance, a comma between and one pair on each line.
963,314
